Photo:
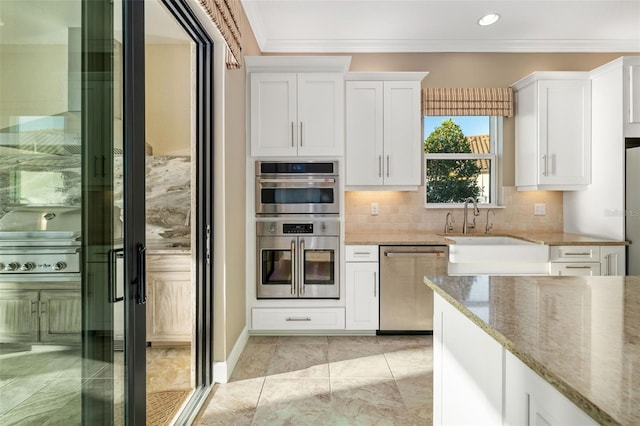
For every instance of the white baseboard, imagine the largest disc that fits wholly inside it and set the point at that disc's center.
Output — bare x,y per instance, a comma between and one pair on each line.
222,369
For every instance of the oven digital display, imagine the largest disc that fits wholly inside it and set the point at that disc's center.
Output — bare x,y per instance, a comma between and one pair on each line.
297,228
297,168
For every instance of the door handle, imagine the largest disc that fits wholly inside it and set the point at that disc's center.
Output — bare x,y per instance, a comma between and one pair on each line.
301,268
375,279
141,281
301,133
111,274
379,165
293,267
292,134
387,166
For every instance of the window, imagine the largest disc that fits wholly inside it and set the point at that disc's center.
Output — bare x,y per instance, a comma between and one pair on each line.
462,159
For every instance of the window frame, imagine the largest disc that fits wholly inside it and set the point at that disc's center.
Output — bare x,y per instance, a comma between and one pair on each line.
496,127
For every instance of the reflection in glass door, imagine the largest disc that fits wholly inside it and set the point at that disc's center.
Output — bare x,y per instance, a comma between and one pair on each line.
69,331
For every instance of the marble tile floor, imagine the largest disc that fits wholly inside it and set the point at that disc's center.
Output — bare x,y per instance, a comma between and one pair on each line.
314,380
41,385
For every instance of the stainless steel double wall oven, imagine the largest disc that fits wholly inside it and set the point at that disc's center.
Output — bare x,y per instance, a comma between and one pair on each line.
297,229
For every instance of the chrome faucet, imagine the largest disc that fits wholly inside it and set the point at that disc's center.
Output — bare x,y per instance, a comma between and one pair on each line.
476,212
488,227
448,223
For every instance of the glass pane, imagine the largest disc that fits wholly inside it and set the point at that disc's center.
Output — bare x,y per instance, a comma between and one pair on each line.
452,181
458,134
276,267
297,196
319,267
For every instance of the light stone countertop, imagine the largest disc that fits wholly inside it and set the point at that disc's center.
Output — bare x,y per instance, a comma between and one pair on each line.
430,238
581,334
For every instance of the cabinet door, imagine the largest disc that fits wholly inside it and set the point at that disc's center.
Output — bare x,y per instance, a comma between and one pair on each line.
632,101
273,114
467,370
18,316
362,289
169,306
612,260
403,142
364,130
320,127
578,269
564,120
60,316
529,400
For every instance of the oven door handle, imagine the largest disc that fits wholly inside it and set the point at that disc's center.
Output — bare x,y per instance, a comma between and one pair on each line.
310,180
112,273
301,267
141,281
293,267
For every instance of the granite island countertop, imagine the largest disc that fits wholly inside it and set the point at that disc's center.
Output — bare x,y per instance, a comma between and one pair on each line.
430,238
581,334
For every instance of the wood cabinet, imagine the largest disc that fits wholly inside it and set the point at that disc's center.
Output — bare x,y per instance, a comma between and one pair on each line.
553,131
46,316
362,287
297,114
383,130
631,97
529,400
587,260
169,298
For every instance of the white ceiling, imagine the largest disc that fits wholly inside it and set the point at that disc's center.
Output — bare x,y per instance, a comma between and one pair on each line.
325,26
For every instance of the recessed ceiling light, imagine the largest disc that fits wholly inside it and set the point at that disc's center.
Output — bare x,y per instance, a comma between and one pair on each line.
489,19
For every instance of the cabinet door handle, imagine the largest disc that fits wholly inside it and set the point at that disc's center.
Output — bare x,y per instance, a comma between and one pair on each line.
578,267
111,274
43,307
361,253
375,279
387,166
583,253
34,307
380,166
301,133
298,319
292,134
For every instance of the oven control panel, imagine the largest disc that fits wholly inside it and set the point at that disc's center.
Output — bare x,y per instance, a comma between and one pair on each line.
268,228
39,263
297,228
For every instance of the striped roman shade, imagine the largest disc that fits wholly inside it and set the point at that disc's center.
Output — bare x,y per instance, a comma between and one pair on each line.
226,14
468,101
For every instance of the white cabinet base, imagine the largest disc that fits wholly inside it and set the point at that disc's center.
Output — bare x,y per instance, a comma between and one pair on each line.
297,318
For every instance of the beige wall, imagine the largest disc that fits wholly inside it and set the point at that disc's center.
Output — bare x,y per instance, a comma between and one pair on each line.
168,98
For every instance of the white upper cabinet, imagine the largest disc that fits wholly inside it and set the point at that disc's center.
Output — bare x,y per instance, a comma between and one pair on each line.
553,131
297,114
632,97
383,130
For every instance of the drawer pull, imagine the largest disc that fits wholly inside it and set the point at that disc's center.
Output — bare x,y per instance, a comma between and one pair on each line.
298,319
578,254
362,253
578,267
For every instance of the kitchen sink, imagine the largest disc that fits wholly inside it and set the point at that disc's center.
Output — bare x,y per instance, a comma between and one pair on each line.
498,255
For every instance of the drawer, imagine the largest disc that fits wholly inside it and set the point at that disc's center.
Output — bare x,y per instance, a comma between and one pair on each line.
575,253
586,269
297,319
368,253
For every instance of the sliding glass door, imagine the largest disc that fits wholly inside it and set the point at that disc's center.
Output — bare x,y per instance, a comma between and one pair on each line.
72,313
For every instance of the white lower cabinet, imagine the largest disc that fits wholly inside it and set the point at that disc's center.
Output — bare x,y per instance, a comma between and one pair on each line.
476,380
169,298
530,400
297,318
362,288
587,260
467,370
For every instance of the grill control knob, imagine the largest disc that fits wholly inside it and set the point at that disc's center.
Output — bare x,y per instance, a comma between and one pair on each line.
13,266
59,266
27,266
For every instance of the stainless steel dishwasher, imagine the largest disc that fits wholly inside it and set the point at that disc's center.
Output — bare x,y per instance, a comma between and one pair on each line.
406,303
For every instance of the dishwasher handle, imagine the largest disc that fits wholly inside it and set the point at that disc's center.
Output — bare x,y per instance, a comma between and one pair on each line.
414,253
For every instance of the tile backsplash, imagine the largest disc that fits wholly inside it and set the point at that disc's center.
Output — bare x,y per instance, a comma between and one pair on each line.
404,211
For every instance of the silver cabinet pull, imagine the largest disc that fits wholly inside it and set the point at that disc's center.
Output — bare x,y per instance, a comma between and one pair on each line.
298,319
43,307
584,253
379,165
387,166
578,267
292,134
375,280
301,133
34,307
545,164
293,267
361,253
